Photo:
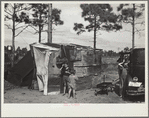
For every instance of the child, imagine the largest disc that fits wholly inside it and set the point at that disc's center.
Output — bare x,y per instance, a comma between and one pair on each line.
65,76
72,84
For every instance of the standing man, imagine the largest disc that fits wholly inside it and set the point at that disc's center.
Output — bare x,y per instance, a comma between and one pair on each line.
122,71
65,72
121,61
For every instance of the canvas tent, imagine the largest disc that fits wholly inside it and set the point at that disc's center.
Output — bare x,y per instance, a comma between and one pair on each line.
22,73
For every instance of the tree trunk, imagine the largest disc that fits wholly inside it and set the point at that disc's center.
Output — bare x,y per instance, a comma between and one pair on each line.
50,24
40,25
13,38
95,40
39,33
133,26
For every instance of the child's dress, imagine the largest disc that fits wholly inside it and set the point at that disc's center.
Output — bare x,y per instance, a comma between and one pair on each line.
72,82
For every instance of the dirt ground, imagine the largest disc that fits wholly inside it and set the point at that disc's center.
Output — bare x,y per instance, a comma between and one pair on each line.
24,95
85,94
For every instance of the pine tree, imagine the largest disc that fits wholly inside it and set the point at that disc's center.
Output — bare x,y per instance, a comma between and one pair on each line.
100,17
129,13
40,17
17,14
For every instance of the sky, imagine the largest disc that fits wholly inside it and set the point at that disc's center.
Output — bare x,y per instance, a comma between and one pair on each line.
70,14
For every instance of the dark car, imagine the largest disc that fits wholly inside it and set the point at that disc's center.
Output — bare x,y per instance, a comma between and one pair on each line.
134,76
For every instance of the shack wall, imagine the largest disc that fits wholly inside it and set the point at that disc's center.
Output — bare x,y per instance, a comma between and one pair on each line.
86,66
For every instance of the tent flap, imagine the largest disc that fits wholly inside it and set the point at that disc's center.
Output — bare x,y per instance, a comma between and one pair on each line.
22,73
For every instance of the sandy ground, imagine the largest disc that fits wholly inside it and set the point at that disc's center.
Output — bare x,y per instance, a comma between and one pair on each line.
24,95
85,94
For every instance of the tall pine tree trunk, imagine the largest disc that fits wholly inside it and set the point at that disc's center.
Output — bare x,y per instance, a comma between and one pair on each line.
95,41
50,24
40,28
39,33
133,26
13,37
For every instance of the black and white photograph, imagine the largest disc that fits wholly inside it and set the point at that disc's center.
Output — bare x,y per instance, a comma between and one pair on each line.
72,55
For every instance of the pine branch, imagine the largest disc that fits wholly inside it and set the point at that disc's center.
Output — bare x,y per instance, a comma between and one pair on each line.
7,17
44,30
20,8
21,27
127,21
17,24
9,10
23,9
8,13
141,17
29,31
11,5
34,28
8,26
98,33
21,31
128,30
139,30
140,23
141,7
36,32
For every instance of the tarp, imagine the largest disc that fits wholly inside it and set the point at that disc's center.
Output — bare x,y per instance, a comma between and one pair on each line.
22,73
43,57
